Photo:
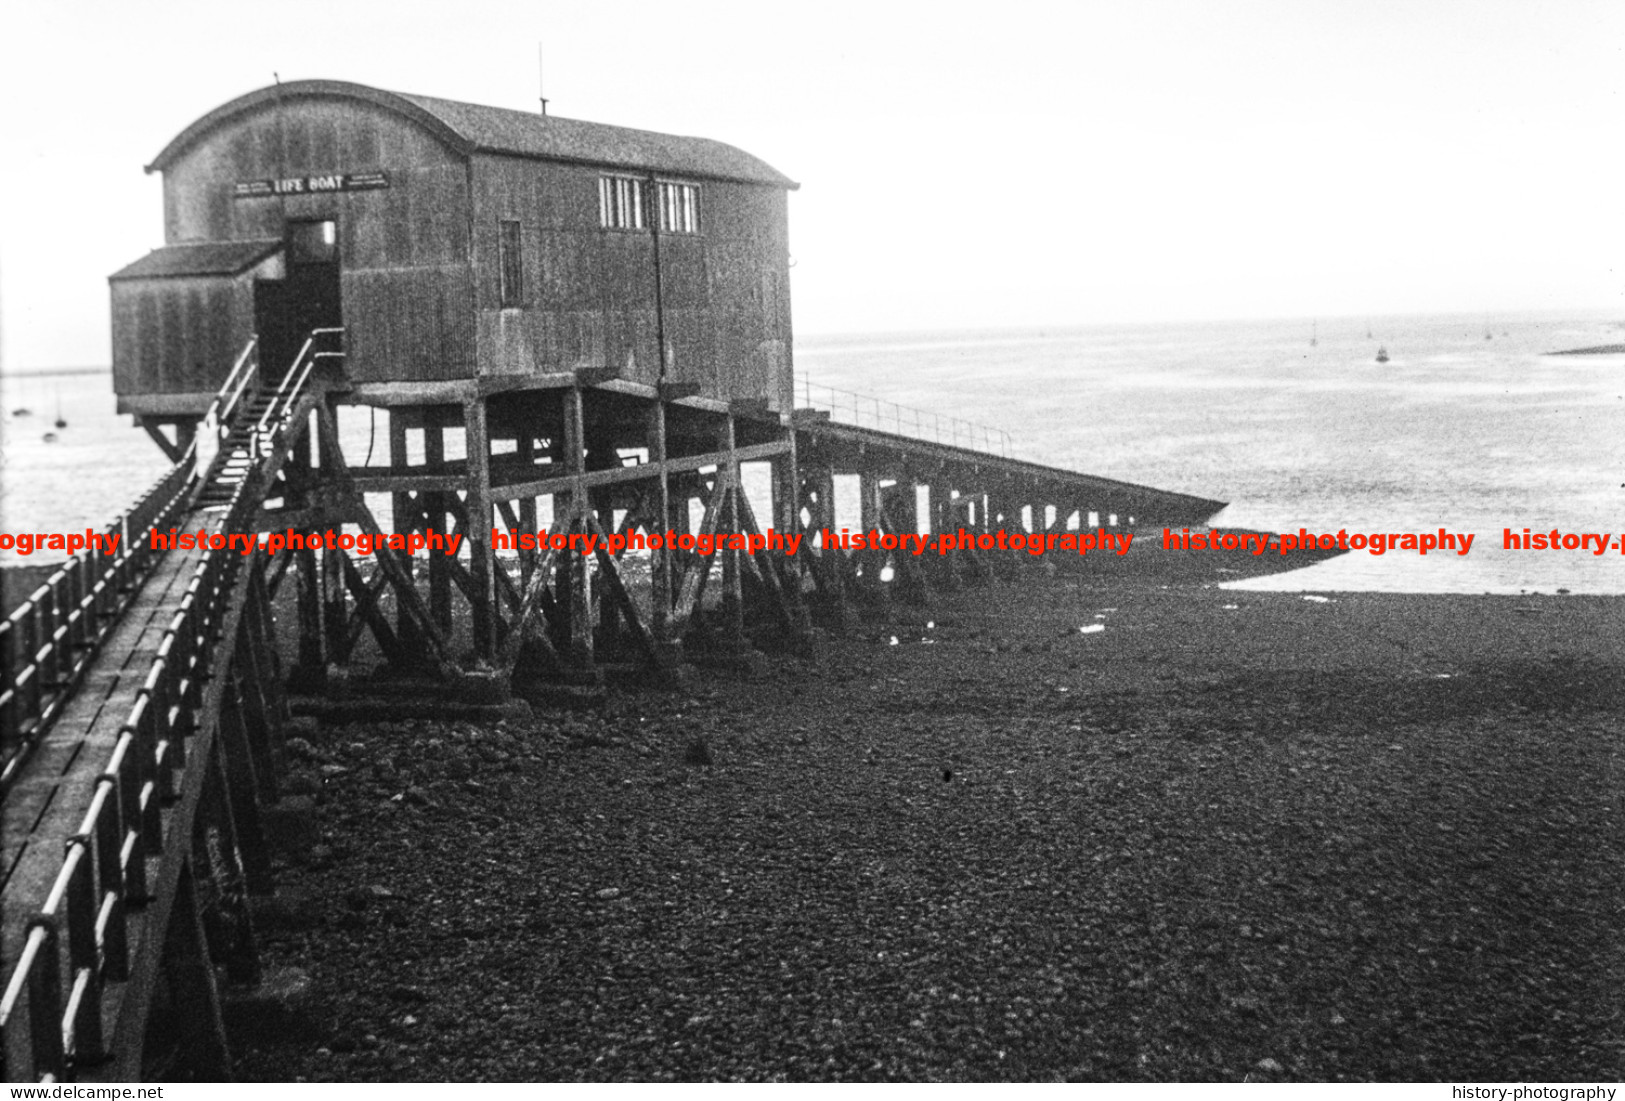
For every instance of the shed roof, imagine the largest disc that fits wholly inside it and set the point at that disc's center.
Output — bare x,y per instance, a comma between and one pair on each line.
471,128
204,258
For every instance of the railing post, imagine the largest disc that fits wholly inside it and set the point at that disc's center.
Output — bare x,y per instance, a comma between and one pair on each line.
45,1001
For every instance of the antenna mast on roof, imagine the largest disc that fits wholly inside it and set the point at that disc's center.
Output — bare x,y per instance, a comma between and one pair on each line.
541,88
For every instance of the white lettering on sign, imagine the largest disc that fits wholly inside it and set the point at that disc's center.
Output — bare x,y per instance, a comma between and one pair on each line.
306,185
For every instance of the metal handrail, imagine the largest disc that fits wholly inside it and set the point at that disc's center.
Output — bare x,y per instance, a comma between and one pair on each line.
284,397
868,411
248,366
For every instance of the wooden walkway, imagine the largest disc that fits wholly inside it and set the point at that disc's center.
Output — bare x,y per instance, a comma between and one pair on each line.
48,803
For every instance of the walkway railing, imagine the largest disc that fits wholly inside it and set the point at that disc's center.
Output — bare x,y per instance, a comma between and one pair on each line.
79,930
242,379
47,641
867,411
292,387
78,939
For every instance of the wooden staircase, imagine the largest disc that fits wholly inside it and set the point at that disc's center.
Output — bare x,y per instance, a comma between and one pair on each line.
244,442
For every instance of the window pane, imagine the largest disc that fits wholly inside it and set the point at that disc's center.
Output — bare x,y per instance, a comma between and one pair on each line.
312,242
510,265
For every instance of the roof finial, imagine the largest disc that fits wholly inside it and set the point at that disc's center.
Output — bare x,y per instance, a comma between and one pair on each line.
541,88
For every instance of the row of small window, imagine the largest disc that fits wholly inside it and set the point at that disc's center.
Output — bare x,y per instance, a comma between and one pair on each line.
622,199
620,206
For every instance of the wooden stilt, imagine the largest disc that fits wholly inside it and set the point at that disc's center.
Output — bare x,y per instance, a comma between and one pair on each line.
577,569
902,511
482,565
661,560
406,516
731,607
870,561
435,519
196,998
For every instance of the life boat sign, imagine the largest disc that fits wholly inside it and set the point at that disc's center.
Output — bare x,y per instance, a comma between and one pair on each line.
310,185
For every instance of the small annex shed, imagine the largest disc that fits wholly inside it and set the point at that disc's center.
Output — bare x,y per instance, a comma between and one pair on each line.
453,241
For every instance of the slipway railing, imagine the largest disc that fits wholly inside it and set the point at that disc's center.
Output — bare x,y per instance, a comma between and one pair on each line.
868,411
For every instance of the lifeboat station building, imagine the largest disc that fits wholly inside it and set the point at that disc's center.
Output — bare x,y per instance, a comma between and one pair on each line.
536,311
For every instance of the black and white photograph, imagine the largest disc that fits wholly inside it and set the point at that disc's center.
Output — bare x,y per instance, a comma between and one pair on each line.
893,543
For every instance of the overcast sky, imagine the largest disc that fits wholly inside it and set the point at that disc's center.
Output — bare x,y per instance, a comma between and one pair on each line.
963,166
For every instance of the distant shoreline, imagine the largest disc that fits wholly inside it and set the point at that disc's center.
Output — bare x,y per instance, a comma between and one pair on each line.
1598,350
53,372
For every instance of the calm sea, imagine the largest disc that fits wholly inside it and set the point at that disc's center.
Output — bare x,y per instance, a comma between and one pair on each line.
1455,431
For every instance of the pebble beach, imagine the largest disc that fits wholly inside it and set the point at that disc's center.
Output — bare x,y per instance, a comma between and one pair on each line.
1110,823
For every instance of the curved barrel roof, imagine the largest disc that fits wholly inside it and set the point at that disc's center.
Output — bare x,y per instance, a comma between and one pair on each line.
473,128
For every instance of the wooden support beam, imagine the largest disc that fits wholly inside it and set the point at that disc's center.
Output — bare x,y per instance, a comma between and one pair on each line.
438,651
661,561
485,614
172,452
243,787
406,517
434,502
527,504
578,572
672,391
694,575
833,565
522,629
200,1029
785,603
732,605
786,516
871,561
615,588
335,614
369,614
597,478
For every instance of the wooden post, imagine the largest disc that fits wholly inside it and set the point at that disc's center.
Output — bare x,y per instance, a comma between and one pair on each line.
732,606
903,509
200,1030
668,648
526,450
787,509
335,612
406,517
575,566
873,561
832,560
482,559
946,522
309,668
435,514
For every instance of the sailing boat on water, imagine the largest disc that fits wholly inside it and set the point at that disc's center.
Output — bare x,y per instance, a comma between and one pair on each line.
1314,333
1382,354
